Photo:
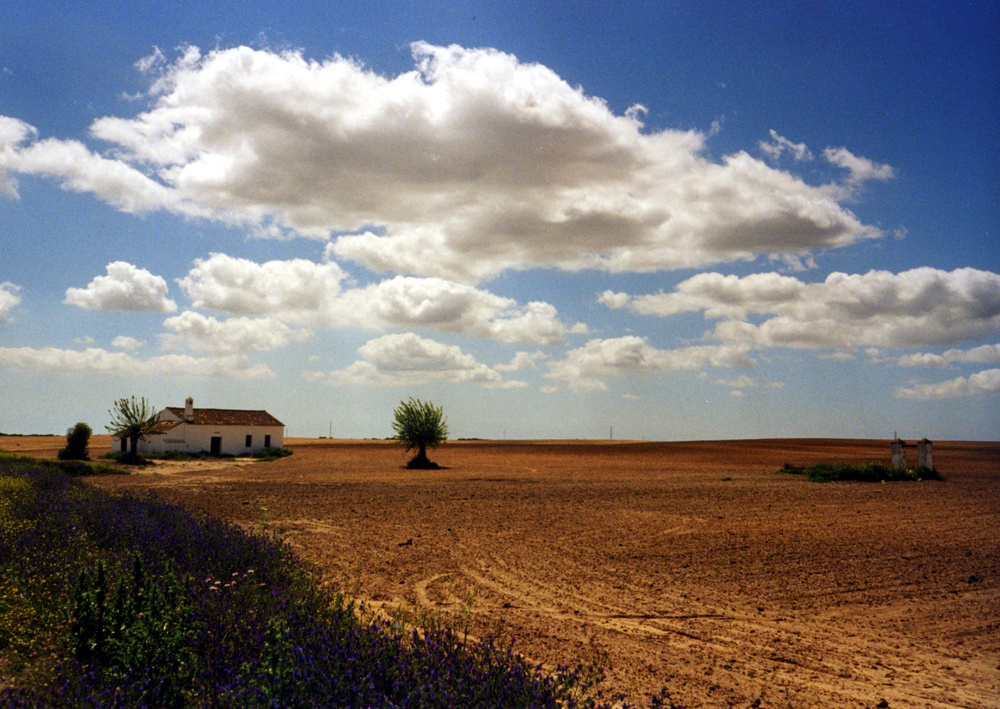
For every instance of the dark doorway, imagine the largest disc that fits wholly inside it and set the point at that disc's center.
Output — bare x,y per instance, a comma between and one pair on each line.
216,445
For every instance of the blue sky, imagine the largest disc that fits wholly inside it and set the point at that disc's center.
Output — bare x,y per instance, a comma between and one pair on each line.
680,221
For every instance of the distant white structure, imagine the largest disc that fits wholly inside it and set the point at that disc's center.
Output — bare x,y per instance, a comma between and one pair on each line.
898,454
214,431
925,454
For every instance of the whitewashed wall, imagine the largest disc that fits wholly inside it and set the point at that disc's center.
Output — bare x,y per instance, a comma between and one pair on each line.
190,438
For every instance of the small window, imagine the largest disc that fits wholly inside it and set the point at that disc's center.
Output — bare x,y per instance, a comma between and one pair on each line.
267,441
249,441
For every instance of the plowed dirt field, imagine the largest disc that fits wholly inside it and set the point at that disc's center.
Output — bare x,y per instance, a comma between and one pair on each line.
692,565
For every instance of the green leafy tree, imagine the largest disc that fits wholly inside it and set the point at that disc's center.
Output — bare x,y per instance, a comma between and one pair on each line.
419,425
77,440
132,420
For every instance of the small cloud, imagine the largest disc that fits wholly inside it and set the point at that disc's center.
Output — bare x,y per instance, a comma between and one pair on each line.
860,169
522,361
13,134
408,359
124,342
631,397
780,145
615,301
837,356
124,288
9,299
922,359
635,111
740,382
795,262
152,63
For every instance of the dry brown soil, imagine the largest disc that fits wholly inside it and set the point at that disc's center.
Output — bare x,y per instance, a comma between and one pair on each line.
695,565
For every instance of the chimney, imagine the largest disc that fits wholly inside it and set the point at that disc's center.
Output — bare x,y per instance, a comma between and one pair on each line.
189,410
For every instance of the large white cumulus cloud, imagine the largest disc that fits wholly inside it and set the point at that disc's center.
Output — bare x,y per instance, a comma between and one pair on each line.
585,368
237,334
923,306
984,382
407,359
294,290
470,164
313,294
978,355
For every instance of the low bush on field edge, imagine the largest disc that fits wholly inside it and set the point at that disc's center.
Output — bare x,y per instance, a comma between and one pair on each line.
72,468
266,455
113,601
861,472
263,455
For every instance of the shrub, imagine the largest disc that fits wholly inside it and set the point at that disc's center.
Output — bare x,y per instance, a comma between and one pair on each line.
77,440
266,455
861,472
126,458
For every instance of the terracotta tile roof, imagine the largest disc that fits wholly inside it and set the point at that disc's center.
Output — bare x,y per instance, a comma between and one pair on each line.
164,426
227,417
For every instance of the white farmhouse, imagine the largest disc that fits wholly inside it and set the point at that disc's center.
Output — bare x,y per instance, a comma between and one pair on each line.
215,431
